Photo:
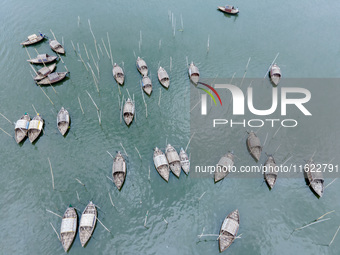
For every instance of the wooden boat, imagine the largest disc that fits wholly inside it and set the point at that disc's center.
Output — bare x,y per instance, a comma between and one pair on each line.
87,223
32,39
270,174
52,78
35,127
68,228
194,73
229,9
173,159
254,145
57,47
163,77
118,74
119,170
141,66
184,159
43,72
21,127
147,85
224,166
275,74
63,121
42,58
128,111
315,177
161,164
229,230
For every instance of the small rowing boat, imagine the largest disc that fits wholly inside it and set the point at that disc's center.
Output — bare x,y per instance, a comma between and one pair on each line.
194,73
57,47
21,127
224,166
229,230
185,163
68,228
128,111
32,39
42,58
315,177
35,127
254,145
275,74
43,72
63,121
173,159
119,170
147,85
161,164
270,174
87,223
118,74
52,78
229,9
141,66
163,77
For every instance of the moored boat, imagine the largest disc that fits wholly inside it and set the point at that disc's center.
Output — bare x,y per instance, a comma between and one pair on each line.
147,85
43,72
224,166
42,58
194,73
68,228
229,9
270,174
119,170
173,159
229,230
118,74
128,111
315,177
57,47
141,66
53,78
35,127
254,145
163,77
161,164
32,39
63,121
275,74
184,159
21,127
87,223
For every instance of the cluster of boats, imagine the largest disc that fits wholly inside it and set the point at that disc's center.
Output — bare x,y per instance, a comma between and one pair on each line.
315,178
45,75
32,128
69,225
171,160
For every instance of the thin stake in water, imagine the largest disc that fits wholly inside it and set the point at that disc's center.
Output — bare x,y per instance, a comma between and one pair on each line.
51,173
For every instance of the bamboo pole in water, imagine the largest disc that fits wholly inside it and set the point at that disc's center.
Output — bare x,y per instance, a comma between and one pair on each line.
51,173
92,100
105,49
6,132
81,106
87,54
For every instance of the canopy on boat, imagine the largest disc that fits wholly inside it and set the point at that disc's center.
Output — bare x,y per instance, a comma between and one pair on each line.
32,37
42,57
44,71
160,160
63,118
163,74
22,124
68,225
53,76
54,44
87,220
230,226
118,166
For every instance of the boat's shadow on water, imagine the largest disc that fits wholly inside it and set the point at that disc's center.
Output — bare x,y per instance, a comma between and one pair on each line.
229,16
